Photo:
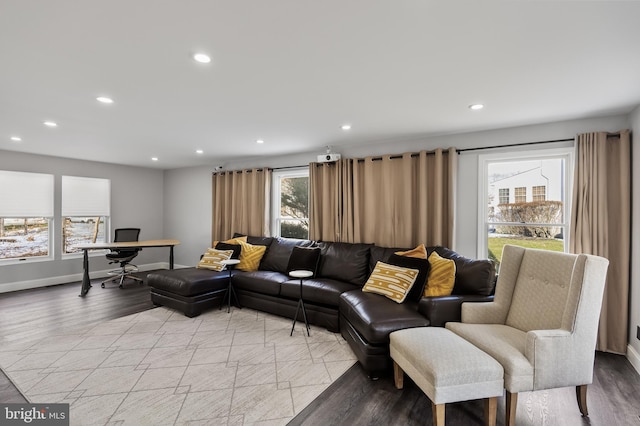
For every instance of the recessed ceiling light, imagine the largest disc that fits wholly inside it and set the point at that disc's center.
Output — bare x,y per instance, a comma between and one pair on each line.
203,58
199,151
104,100
346,127
154,158
50,124
259,141
476,107
16,138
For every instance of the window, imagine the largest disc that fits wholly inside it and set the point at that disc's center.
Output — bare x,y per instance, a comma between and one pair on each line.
290,201
85,211
539,193
26,215
503,196
541,222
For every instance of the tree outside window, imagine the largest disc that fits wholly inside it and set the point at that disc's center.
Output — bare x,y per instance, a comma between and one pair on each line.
291,204
78,231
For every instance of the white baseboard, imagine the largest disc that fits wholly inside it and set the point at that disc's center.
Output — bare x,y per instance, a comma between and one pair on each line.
634,358
44,282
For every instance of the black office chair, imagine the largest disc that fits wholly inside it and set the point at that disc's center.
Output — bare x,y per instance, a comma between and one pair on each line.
123,256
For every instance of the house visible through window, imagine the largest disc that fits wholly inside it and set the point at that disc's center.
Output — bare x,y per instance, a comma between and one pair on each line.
539,193
290,217
26,215
85,211
541,221
503,196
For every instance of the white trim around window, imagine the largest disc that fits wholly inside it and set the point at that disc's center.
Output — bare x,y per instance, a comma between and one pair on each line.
485,160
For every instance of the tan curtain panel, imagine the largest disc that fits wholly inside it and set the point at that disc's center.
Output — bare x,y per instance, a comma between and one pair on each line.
325,203
240,203
601,224
393,201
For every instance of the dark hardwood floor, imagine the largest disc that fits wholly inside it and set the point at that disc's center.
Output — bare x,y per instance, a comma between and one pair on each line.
354,399
613,399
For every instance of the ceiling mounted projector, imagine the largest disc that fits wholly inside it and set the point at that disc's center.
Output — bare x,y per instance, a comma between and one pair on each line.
328,157
325,158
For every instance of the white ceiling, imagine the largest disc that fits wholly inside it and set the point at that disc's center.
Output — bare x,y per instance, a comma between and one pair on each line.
291,72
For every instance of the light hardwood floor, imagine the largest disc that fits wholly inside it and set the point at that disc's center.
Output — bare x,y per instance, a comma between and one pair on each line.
614,396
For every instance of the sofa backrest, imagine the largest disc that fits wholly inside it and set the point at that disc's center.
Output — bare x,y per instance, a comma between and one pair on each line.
277,256
473,276
381,254
345,262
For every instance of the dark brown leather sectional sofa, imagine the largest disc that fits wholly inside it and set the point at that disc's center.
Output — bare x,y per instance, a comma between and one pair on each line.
333,298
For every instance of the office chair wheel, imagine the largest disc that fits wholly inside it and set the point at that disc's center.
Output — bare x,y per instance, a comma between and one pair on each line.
102,285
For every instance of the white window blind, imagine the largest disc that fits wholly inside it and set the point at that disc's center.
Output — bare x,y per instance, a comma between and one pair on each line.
82,196
26,194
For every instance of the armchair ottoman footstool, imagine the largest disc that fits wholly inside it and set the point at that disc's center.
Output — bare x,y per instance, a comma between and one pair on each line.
446,368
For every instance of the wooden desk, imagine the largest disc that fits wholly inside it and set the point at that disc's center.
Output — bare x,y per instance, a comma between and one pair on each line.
86,281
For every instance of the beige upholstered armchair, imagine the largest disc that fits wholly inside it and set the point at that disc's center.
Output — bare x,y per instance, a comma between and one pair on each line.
543,322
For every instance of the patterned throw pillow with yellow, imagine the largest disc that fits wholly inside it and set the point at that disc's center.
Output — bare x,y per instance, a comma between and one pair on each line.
442,276
250,256
391,281
213,258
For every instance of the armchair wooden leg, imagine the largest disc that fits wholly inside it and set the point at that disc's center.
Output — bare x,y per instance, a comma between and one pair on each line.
510,408
490,411
581,396
398,376
438,414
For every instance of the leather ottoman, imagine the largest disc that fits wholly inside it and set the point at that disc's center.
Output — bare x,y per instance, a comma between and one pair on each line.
189,290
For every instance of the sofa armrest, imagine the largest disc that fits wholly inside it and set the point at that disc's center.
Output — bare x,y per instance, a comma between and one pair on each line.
442,309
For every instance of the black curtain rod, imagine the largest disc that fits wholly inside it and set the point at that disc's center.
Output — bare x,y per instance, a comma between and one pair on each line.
513,144
393,157
289,167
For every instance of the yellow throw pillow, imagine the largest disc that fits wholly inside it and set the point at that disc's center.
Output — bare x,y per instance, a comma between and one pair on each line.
442,276
420,252
250,256
236,240
213,258
391,281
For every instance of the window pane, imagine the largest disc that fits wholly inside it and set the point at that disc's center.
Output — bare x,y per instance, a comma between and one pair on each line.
290,212
534,217
294,197
294,229
545,178
77,231
503,196
24,237
539,193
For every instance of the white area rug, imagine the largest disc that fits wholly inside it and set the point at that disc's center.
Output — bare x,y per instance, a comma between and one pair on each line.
159,367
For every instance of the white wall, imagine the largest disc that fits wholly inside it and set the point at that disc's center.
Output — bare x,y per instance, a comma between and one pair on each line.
188,210
136,201
634,313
